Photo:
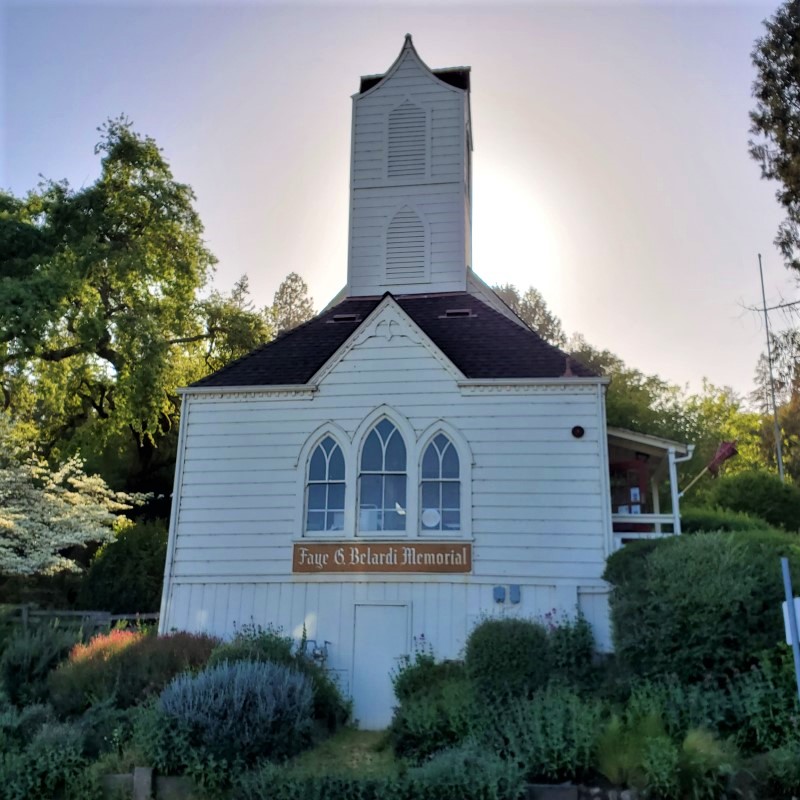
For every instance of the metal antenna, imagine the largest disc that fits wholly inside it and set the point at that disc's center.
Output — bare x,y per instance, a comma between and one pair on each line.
778,442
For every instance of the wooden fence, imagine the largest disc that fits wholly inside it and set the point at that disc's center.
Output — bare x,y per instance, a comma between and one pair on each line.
29,615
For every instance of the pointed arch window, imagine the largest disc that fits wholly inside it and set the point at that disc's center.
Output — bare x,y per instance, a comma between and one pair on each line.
382,480
325,488
440,507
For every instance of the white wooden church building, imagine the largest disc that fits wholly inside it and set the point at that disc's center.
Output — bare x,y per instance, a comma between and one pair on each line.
414,457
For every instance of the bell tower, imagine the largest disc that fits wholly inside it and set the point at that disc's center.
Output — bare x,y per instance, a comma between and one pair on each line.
410,180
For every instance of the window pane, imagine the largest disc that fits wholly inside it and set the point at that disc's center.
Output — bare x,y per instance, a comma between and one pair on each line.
430,494
451,496
334,521
392,521
451,520
335,496
396,454
441,441
371,491
430,463
384,428
316,496
450,463
336,464
372,454
316,469
327,444
395,492
315,521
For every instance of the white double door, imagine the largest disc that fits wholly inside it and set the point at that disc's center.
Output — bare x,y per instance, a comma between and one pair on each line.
380,641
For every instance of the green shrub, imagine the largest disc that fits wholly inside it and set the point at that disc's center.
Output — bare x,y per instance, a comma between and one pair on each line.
709,520
243,711
126,666
432,720
783,771
701,607
51,766
764,708
126,575
679,707
19,726
551,736
622,744
571,651
423,674
466,773
28,658
760,494
463,773
254,643
105,729
507,656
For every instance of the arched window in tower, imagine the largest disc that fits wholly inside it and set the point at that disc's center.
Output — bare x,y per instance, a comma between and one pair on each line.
440,506
406,152
382,480
325,488
405,248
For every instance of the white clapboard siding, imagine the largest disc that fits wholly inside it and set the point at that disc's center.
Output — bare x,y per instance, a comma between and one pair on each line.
442,613
538,508
409,154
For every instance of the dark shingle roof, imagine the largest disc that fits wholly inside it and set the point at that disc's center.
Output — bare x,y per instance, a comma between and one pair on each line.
485,344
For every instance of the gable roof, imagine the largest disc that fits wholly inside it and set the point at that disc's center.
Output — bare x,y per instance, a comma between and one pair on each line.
481,344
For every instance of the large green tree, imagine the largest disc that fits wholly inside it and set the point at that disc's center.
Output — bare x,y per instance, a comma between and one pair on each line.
103,313
291,305
532,309
775,121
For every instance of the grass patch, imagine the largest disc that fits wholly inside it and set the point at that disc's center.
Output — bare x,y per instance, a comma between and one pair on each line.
350,751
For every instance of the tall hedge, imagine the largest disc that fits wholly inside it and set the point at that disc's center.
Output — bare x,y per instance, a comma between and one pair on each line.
127,574
760,494
700,607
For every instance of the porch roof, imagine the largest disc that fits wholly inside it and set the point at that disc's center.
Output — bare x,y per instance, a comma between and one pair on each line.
646,443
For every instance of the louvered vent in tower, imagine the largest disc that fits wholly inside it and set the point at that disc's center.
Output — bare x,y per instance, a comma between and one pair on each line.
405,248
407,142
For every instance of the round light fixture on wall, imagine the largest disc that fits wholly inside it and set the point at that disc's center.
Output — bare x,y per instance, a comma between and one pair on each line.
578,432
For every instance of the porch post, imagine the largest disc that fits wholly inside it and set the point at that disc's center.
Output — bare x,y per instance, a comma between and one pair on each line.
673,490
656,502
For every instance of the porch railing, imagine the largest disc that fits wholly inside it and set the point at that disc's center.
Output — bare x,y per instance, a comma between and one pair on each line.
631,527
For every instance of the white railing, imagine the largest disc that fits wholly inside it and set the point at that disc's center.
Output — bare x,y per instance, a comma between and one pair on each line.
632,527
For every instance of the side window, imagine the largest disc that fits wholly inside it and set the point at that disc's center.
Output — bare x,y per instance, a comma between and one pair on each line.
440,502
382,480
325,488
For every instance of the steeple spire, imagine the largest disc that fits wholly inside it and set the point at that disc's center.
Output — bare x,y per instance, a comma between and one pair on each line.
410,194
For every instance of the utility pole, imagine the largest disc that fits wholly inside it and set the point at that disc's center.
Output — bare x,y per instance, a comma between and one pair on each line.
778,442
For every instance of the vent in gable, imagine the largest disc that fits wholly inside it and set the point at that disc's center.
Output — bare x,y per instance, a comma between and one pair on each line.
344,318
405,248
406,155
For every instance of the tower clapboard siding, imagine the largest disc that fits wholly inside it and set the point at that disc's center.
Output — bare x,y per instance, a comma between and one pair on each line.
411,150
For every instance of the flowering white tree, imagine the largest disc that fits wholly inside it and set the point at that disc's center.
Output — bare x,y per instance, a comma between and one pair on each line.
44,512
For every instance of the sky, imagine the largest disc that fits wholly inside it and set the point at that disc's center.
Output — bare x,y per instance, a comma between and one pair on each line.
610,166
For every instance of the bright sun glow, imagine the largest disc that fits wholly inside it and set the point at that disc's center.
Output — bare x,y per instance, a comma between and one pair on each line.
515,239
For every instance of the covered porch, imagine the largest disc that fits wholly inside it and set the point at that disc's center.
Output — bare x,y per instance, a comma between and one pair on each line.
639,466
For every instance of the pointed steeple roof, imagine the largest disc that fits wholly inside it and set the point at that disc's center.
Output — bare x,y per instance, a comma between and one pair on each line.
457,77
